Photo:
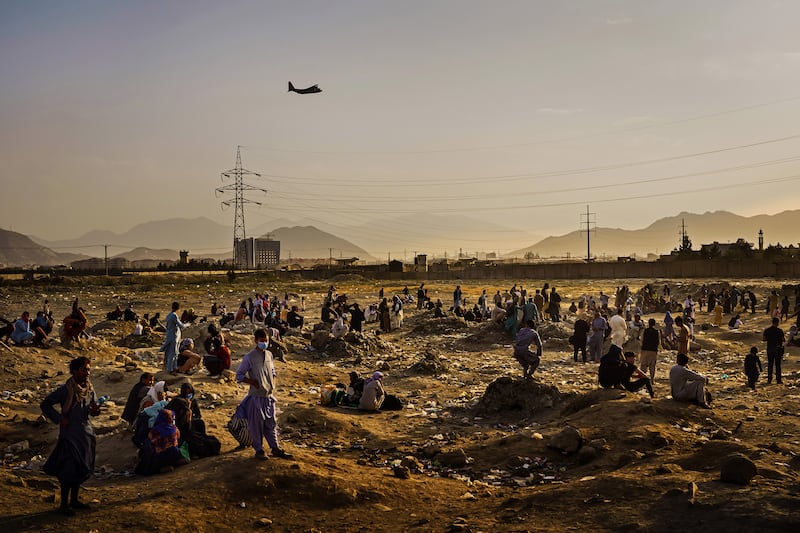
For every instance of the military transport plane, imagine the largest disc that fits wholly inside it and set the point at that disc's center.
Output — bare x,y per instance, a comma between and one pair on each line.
307,90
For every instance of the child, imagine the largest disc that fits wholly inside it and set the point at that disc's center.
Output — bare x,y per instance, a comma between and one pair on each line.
752,367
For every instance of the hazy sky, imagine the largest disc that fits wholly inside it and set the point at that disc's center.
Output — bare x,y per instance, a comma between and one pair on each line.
114,113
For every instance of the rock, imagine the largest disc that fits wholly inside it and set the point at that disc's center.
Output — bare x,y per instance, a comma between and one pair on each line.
431,450
737,468
410,462
587,454
628,457
669,468
264,522
116,377
18,447
597,444
401,472
507,394
228,375
455,458
568,440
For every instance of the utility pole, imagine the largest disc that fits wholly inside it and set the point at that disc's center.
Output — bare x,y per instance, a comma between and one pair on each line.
238,187
105,256
686,243
590,224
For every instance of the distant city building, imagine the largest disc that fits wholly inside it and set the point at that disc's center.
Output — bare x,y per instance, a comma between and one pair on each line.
267,253
244,254
184,260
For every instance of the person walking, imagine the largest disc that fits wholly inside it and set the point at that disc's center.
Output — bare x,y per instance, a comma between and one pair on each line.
258,370
774,337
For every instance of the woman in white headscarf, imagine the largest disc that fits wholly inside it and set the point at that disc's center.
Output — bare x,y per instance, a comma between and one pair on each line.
155,394
373,395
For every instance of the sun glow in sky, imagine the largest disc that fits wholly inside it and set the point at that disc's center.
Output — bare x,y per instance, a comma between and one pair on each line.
114,113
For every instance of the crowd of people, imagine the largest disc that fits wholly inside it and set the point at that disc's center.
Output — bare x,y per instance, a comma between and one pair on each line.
169,431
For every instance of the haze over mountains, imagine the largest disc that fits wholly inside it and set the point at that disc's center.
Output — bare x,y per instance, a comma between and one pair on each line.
206,238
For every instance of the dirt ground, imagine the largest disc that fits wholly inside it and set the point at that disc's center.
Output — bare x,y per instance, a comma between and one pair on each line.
474,462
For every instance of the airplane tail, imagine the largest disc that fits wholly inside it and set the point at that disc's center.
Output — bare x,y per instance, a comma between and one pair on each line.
291,87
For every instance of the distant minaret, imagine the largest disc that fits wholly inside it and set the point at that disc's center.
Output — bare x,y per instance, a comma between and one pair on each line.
761,240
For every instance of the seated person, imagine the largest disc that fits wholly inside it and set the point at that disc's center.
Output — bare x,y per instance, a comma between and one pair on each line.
792,338
25,331
340,327
609,372
219,355
162,448
373,395
188,316
735,322
498,314
687,385
328,314
629,370
75,324
294,319
156,325
187,358
241,313
438,310
43,321
116,314
129,315
187,412
156,393
6,329
138,392
355,389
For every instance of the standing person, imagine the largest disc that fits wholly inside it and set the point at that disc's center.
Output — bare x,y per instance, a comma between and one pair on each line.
457,297
482,304
619,328
651,340
683,336
522,353
384,314
356,317
752,367
785,307
421,296
774,337
581,328
72,461
555,305
599,327
172,339
258,370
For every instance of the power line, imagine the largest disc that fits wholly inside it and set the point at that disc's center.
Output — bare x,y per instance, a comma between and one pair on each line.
554,140
431,180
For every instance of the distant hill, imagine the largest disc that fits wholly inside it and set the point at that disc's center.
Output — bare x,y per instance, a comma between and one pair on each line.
309,242
663,235
203,238
138,254
17,249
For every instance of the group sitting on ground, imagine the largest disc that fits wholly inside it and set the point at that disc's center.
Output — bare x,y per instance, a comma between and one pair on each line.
616,370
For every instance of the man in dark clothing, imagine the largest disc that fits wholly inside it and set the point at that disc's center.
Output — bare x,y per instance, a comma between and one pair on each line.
138,392
629,369
421,296
774,338
294,318
356,317
579,339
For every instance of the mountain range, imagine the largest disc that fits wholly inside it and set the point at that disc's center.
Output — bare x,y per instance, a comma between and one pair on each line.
204,238
664,235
